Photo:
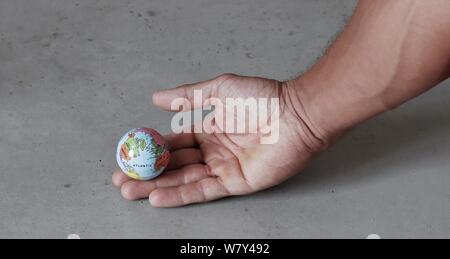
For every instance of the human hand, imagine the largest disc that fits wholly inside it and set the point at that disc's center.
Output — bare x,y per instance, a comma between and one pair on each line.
206,167
361,76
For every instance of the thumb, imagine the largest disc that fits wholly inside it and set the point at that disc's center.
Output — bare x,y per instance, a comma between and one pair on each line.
184,95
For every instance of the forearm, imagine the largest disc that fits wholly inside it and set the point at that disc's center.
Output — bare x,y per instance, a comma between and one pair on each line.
390,52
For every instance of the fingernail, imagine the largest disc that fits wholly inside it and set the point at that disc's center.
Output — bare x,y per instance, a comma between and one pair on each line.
150,200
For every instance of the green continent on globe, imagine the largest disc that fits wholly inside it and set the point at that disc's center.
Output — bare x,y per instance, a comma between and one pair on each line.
131,147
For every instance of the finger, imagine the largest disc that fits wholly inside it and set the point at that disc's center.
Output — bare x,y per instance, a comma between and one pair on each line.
202,191
179,141
119,178
184,157
164,99
134,190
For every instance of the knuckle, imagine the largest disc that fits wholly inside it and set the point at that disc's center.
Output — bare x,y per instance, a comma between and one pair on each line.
226,76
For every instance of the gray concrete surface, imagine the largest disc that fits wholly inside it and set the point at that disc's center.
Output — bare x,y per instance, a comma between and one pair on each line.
76,74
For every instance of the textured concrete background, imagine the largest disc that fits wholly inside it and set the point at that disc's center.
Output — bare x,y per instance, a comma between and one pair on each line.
76,74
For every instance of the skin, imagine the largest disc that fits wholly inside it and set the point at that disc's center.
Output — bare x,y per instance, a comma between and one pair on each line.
389,53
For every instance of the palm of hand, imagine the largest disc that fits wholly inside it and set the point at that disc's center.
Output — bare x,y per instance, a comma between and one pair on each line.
206,167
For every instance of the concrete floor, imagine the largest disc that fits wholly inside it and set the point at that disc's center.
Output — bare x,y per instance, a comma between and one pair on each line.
76,74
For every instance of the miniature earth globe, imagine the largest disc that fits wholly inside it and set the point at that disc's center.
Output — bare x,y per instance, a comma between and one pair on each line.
142,154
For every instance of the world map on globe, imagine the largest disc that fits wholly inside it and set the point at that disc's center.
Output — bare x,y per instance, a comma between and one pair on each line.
142,154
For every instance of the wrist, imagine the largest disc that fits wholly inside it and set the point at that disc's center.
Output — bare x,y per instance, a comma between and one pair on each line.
335,104
312,115
298,113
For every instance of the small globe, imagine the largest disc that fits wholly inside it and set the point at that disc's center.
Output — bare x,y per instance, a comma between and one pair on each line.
142,154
